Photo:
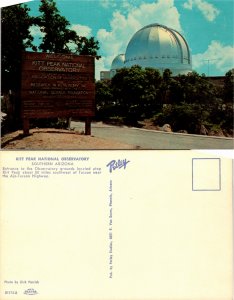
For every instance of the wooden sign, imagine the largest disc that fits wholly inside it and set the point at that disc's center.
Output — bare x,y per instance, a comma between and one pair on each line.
57,85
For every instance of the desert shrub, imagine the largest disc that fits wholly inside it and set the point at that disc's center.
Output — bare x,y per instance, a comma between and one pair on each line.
58,123
182,117
119,121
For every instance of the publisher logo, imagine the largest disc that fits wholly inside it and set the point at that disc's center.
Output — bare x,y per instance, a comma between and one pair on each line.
30,292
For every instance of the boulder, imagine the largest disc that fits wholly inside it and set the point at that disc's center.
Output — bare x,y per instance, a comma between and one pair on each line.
216,133
166,128
2,116
203,130
182,131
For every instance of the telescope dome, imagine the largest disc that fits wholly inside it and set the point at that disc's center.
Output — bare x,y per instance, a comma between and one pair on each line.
160,47
117,63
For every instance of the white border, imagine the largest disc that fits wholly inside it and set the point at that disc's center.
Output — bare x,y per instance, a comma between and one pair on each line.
4,3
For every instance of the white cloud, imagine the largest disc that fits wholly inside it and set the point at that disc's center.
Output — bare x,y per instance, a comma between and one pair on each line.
188,5
123,5
72,46
35,31
209,11
99,66
125,24
218,55
107,3
82,30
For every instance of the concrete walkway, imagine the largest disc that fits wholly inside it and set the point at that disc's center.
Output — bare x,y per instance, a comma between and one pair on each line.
152,139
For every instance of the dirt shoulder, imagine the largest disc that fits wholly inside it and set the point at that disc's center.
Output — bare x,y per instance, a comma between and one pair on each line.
57,139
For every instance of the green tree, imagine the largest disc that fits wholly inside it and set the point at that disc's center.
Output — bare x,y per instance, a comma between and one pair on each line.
197,89
151,98
54,26
176,93
128,90
190,100
104,100
57,35
222,114
183,116
165,86
87,46
16,37
228,88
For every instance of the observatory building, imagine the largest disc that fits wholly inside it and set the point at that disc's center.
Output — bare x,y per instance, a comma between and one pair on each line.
155,46
117,63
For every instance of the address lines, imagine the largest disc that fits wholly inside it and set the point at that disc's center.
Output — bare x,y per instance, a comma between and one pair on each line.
110,230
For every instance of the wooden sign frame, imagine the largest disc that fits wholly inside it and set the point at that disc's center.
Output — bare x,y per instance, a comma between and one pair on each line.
57,85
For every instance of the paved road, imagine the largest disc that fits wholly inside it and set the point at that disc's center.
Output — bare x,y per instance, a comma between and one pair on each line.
150,139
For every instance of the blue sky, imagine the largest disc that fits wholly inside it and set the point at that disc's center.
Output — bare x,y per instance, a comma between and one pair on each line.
207,25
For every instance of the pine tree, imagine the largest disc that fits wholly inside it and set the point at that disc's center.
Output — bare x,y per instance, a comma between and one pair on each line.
57,35
16,37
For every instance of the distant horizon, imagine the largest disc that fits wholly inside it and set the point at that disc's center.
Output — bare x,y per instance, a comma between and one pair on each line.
207,26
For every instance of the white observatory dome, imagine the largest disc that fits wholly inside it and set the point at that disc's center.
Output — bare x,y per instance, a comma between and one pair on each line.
159,47
117,63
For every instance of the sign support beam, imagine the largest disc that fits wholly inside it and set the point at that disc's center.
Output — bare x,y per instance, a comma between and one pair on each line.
88,126
26,126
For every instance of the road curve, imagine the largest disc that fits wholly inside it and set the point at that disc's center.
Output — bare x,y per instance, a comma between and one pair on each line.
152,139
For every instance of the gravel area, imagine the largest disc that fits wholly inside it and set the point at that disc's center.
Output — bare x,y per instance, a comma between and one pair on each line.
57,139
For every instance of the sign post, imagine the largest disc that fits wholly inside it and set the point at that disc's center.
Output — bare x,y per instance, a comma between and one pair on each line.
26,126
87,126
57,85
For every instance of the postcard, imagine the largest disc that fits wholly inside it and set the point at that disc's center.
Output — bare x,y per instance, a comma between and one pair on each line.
116,225
128,212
